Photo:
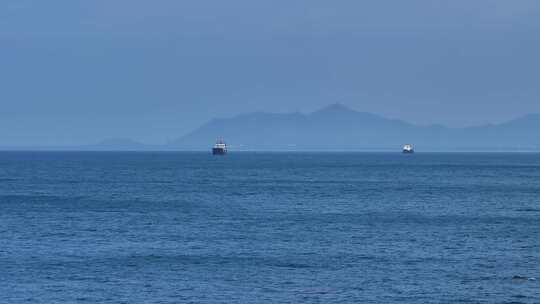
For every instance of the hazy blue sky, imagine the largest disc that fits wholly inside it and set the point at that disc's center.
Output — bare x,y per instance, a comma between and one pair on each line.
79,71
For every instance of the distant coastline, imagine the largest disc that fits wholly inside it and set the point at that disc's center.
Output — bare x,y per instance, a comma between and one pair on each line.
334,128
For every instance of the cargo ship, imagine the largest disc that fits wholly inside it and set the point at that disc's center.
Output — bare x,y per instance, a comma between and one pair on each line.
408,148
220,148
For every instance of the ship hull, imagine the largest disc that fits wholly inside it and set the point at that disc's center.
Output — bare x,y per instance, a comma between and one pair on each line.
408,151
219,151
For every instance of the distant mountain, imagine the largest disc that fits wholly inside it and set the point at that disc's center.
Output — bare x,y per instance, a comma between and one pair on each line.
337,127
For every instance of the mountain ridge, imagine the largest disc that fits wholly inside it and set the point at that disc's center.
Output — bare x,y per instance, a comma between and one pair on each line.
334,127
337,127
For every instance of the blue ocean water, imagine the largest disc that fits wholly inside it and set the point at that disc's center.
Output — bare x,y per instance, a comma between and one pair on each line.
81,227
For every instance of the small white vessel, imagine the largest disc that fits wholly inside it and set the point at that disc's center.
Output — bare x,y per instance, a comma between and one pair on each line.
220,148
408,148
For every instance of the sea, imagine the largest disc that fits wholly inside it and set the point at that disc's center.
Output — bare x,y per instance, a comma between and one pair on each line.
299,227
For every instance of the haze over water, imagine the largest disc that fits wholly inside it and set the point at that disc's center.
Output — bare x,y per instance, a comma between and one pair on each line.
269,228
78,72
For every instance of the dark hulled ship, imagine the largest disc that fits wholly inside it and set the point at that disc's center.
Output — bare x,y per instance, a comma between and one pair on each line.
220,148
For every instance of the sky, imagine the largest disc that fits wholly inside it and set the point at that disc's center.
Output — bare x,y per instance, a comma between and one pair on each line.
75,72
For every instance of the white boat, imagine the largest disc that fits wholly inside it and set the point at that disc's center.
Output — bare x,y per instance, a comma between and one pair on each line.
220,148
408,148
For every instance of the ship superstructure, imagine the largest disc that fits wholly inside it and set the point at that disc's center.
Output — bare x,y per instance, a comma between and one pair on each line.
408,148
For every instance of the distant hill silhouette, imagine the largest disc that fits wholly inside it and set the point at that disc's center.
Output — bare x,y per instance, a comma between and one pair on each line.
337,127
